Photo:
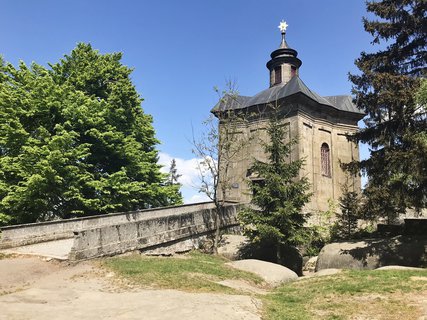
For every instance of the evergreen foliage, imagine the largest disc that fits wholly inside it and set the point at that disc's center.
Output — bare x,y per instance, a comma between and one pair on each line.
173,182
173,173
276,217
74,141
385,90
345,226
380,202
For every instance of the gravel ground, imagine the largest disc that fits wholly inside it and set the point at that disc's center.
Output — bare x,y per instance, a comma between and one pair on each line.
32,288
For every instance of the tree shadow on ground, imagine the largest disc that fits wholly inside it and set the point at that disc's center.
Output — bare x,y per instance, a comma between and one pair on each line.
400,250
292,258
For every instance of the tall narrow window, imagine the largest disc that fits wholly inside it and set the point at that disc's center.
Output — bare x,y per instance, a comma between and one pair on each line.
293,71
325,160
278,75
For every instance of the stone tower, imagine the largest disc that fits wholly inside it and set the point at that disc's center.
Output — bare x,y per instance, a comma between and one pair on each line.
320,124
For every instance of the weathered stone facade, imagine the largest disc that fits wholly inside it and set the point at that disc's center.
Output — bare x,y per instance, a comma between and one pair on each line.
320,124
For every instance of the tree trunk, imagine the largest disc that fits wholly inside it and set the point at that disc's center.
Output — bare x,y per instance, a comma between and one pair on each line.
278,254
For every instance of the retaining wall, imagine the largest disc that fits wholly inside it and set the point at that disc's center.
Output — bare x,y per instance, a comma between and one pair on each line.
150,232
13,236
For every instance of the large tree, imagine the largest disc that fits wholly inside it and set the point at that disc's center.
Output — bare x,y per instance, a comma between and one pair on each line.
75,141
276,218
385,90
219,148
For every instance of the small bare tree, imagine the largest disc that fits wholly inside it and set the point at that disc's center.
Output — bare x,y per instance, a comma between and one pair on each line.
218,147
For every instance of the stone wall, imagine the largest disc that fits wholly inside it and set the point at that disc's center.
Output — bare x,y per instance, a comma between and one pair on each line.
164,229
24,234
312,134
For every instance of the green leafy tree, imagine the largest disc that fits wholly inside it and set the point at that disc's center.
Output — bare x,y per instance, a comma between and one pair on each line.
276,217
219,147
395,123
74,141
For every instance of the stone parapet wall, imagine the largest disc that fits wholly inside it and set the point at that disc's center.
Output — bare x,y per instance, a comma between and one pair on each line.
149,232
24,234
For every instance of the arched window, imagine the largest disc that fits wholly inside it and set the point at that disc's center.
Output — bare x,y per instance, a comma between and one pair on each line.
325,160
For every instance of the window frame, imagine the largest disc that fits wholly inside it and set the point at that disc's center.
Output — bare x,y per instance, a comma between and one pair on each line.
277,74
325,160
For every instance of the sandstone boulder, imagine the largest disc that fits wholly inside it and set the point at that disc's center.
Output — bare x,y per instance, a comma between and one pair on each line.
273,274
231,245
310,265
401,268
374,253
290,257
327,272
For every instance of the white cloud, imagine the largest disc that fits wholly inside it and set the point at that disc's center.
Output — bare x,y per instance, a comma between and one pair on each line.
186,168
200,197
190,177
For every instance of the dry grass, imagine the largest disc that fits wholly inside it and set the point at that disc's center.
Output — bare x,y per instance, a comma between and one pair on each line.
198,272
352,295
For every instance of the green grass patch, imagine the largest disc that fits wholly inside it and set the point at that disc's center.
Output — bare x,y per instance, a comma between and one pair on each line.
192,272
346,295
380,295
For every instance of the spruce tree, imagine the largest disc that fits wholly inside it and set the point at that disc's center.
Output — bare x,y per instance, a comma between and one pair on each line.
385,90
346,224
276,217
173,173
75,141
173,183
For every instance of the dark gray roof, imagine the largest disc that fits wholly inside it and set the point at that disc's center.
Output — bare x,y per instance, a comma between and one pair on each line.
294,86
344,103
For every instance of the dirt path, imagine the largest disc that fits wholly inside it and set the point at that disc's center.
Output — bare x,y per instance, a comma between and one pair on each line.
32,288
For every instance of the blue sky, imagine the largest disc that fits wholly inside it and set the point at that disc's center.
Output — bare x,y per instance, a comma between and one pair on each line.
180,50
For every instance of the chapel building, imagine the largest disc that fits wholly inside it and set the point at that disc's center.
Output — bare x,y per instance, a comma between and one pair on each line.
321,125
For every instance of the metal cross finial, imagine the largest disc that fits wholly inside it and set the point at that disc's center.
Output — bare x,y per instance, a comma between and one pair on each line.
282,26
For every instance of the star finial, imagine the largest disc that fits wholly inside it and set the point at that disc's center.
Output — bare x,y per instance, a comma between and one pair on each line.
282,26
